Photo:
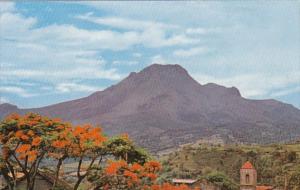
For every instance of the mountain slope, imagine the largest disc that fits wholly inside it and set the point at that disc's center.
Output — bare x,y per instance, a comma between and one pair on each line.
162,106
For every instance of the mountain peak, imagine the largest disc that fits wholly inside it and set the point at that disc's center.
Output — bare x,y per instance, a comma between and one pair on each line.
159,68
8,105
7,108
232,91
166,76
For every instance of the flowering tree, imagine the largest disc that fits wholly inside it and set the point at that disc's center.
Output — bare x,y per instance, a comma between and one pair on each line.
60,147
87,142
25,141
119,175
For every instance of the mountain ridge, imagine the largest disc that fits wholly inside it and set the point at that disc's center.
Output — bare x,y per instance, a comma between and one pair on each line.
162,106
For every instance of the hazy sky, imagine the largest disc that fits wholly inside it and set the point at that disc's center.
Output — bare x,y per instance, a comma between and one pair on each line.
55,51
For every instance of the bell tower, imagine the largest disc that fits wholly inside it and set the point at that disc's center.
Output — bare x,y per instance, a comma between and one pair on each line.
248,177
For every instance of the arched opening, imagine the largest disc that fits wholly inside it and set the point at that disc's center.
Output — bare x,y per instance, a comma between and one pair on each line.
247,178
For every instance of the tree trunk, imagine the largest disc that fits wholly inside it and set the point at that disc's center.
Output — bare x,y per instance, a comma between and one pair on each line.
32,174
100,160
7,179
31,182
285,182
15,184
78,182
81,177
28,183
60,161
11,182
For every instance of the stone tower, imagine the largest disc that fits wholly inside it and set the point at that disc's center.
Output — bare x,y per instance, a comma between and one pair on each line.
248,177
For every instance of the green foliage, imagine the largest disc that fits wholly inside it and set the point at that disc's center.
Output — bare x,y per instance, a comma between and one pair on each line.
222,181
294,182
124,148
292,156
272,162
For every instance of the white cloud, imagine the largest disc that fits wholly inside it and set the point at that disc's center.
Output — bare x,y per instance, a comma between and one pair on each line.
191,52
201,30
74,87
120,62
125,23
137,55
83,73
147,33
13,24
286,92
254,85
182,12
71,36
196,31
4,100
7,7
55,52
16,90
158,59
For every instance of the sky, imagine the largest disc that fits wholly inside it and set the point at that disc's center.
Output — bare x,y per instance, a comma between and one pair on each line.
56,51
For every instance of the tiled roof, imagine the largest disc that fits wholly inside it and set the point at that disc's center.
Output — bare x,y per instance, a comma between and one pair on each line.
18,174
264,187
247,165
186,181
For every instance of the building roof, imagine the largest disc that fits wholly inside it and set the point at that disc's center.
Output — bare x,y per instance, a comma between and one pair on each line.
247,165
17,174
185,181
264,187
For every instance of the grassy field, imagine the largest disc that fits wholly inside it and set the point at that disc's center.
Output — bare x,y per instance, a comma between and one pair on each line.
274,163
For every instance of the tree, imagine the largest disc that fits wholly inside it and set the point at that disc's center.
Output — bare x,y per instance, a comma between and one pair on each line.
25,141
294,182
86,143
121,147
221,180
60,148
291,156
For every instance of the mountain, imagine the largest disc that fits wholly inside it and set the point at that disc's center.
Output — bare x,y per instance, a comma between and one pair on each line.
162,106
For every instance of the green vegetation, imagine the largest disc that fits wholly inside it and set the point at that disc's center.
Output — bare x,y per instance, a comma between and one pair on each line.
221,180
275,164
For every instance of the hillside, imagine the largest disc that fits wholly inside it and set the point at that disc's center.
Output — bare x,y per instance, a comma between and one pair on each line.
273,162
162,106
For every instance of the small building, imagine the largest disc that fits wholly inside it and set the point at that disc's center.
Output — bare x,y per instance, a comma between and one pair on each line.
264,188
188,182
248,178
203,184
